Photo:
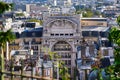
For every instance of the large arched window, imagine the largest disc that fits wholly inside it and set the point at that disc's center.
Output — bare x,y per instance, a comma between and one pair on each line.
62,46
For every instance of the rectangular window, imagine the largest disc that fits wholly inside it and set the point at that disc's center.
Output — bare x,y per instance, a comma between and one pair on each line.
39,71
52,34
66,34
26,47
71,34
61,34
65,62
69,62
69,56
56,34
69,70
46,72
35,47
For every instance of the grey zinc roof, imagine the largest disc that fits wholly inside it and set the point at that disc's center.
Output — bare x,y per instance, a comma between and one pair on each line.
47,64
39,63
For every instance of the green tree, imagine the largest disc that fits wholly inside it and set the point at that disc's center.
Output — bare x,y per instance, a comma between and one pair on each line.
19,14
7,36
118,20
114,37
4,37
63,70
88,14
36,20
97,13
5,7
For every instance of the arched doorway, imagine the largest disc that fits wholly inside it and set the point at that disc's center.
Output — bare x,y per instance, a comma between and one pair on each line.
64,50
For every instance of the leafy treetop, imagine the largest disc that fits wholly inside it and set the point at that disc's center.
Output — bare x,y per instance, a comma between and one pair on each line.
5,7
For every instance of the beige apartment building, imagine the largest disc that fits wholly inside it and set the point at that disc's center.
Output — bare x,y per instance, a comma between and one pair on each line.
97,22
26,44
93,28
62,34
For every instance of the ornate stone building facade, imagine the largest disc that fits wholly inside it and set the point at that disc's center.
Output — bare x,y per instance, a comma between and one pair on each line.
62,34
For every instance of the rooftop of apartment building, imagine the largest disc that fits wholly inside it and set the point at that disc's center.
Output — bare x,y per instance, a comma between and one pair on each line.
35,32
94,19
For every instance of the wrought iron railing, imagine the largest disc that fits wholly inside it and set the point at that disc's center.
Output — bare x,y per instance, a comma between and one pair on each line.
15,72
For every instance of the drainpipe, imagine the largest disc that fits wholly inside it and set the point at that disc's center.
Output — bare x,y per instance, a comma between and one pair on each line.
7,51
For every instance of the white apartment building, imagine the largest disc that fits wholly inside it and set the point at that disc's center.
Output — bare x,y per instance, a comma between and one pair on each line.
7,23
62,2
